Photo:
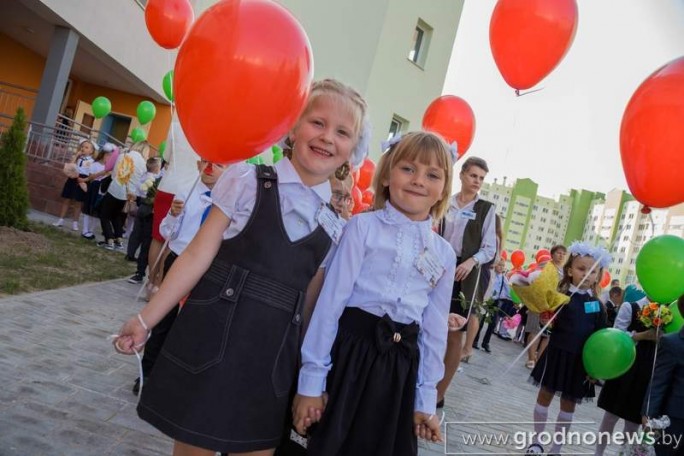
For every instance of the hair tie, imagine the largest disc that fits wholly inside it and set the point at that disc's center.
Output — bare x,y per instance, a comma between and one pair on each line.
385,145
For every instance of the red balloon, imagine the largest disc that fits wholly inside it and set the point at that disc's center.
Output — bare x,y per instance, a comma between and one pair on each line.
242,78
366,172
168,21
529,38
504,254
363,207
532,266
605,280
542,255
452,118
368,196
357,196
517,258
652,138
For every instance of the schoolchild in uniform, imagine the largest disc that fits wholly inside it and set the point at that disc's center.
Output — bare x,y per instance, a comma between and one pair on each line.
378,333
181,224
560,370
223,377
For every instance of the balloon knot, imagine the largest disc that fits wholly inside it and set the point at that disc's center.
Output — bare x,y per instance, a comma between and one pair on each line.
645,210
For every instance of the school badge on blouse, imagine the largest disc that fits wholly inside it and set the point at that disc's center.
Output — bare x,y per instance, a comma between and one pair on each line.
332,223
429,267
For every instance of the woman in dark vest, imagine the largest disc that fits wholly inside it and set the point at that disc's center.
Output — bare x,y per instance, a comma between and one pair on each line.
470,229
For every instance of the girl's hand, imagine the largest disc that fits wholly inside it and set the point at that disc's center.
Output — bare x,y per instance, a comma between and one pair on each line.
427,427
132,337
456,322
306,410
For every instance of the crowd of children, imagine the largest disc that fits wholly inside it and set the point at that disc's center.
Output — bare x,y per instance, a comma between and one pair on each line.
278,309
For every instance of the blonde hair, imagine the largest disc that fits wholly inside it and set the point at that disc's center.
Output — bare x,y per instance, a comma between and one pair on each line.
416,146
351,99
142,147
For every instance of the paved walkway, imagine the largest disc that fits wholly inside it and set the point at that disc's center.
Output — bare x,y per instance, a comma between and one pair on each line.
65,392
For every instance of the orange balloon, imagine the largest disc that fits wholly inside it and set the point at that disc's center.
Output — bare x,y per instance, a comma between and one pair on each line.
168,21
542,255
368,196
357,196
242,78
517,258
529,38
652,138
605,280
366,172
452,118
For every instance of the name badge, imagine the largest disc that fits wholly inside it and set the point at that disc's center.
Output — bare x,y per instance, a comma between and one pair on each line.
332,223
429,267
468,215
592,307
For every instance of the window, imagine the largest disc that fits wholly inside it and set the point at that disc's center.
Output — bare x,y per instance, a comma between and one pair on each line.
397,125
420,43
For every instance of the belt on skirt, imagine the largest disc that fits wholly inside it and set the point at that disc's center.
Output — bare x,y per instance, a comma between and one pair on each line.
236,281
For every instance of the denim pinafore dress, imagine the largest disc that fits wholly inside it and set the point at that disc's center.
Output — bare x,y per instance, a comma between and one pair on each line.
229,362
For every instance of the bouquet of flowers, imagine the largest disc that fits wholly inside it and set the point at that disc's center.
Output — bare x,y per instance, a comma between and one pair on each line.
655,316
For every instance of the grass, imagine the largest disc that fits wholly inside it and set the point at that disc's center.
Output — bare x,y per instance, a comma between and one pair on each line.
46,258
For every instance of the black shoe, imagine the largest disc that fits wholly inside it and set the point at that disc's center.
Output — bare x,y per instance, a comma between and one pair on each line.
440,404
136,278
130,258
475,346
486,348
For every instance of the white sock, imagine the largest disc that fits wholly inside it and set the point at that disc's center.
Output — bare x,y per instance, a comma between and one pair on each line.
541,414
86,224
563,421
607,425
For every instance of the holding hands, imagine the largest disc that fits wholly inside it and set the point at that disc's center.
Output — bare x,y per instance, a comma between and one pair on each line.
307,410
427,427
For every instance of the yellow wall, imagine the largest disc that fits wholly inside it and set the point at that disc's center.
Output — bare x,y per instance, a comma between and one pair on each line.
27,70
27,74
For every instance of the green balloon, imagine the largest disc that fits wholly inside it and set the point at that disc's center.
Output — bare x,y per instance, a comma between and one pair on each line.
146,112
138,134
256,160
277,154
608,353
101,107
514,297
660,268
167,84
162,149
677,322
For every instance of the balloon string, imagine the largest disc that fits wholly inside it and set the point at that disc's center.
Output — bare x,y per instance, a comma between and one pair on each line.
173,230
655,357
522,94
537,337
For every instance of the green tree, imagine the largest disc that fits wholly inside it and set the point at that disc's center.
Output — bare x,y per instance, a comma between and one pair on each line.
14,199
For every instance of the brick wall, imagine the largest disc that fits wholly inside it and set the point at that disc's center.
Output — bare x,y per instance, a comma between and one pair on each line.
45,182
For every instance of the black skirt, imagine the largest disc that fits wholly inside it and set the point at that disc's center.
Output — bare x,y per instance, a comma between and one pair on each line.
72,191
92,201
371,389
624,396
562,372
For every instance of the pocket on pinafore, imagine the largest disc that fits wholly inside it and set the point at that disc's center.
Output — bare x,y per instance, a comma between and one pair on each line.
198,337
286,361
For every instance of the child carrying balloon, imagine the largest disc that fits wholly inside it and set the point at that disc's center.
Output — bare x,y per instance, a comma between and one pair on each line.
560,370
223,377
378,333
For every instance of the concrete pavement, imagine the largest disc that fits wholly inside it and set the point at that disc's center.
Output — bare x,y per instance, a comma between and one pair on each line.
64,391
